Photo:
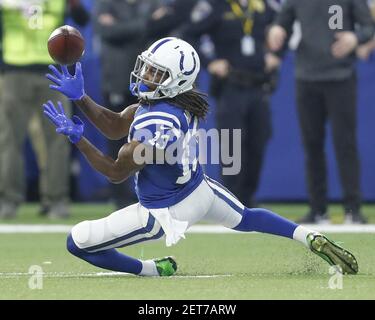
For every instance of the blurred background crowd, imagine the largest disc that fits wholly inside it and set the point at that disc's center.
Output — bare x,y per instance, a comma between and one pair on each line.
296,76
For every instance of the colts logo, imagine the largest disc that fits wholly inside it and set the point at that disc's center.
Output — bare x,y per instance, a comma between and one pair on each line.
187,73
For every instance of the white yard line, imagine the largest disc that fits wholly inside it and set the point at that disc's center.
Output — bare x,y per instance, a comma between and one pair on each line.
370,228
24,228
8,275
34,228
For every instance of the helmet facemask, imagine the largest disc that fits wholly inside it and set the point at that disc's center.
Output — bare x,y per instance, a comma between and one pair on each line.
148,79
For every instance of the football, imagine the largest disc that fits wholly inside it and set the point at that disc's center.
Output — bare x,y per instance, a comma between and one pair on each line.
66,45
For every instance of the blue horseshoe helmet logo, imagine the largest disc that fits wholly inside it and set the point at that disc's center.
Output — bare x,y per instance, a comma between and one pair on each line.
187,73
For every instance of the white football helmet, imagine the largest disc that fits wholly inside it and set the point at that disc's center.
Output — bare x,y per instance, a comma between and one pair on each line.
175,62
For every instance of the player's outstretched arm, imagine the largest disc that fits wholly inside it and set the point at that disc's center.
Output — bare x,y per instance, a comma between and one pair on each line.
115,170
113,125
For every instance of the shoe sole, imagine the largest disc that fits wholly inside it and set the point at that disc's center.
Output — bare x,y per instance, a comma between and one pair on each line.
334,254
173,261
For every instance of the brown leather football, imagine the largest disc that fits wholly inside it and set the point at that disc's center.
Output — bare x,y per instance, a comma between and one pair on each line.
66,45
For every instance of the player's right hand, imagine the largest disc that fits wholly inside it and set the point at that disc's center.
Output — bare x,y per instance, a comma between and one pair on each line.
71,86
72,128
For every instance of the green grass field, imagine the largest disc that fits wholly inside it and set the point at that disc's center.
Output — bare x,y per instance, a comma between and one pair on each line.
211,266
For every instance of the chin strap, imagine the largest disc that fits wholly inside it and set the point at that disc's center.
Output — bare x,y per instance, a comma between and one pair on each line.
135,88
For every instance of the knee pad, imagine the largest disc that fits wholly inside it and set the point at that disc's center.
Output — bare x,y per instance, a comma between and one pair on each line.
92,235
89,233
71,246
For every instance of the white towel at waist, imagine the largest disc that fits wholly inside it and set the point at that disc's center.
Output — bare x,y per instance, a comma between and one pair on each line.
173,229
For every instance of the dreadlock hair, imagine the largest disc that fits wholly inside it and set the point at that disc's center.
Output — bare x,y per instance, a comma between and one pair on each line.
193,101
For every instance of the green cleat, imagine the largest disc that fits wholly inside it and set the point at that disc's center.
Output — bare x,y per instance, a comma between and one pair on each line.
331,252
166,266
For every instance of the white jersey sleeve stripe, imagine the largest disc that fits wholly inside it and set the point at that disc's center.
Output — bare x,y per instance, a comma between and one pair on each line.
159,114
153,121
146,123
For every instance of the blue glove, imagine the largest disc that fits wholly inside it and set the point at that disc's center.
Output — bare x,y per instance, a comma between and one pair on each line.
70,86
73,129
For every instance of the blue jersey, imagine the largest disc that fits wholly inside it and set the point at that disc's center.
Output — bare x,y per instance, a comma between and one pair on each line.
173,130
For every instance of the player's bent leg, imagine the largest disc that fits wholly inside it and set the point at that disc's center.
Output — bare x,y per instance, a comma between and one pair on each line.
230,212
127,226
109,259
95,242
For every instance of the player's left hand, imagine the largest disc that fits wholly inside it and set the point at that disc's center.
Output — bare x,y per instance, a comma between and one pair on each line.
72,128
69,85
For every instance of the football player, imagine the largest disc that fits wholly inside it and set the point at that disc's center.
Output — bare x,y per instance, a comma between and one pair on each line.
173,195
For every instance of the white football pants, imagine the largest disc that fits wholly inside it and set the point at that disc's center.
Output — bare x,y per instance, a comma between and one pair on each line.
210,201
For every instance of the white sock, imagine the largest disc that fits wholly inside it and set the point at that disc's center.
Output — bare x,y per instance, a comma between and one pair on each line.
300,234
149,268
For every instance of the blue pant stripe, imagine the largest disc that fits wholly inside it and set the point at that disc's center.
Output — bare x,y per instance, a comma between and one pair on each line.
220,186
228,201
146,229
157,236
